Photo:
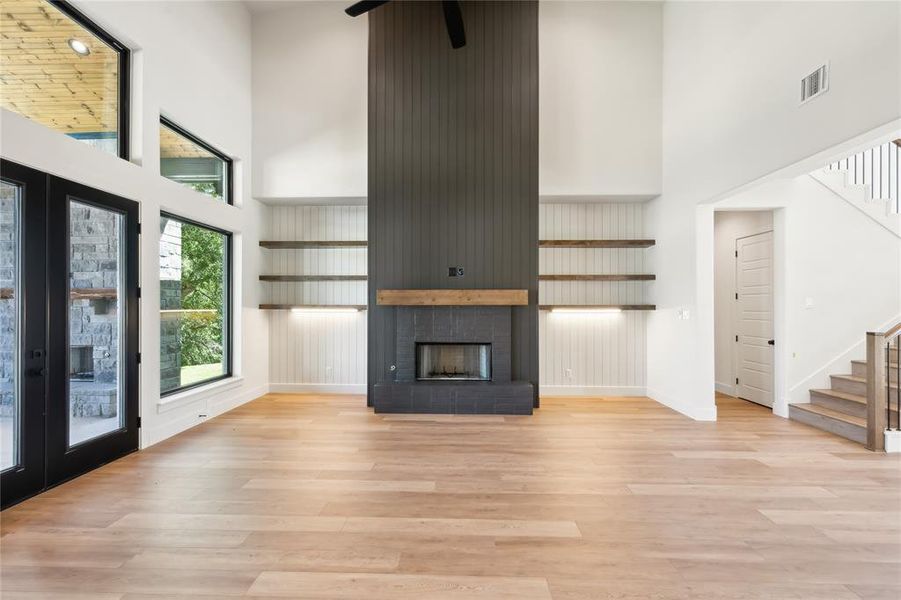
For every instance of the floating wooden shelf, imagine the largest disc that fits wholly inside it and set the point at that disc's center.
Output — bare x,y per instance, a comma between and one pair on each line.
579,277
292,306
313,278
300,244
596,243
598,306
444,297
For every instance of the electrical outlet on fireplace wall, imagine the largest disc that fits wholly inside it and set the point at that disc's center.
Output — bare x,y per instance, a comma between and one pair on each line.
455,271
568,373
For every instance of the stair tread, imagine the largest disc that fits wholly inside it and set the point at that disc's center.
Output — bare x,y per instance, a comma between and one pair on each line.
832,414
893,365
848,377
843,395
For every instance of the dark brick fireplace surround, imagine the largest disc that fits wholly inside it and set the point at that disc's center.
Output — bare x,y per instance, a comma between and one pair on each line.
453,324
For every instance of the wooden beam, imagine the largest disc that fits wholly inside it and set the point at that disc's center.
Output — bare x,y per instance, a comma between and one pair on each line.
445,297
300,244
596,243
583,277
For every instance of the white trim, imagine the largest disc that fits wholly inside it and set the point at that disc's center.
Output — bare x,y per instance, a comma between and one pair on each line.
197,394
214,408
590,390
892,441
318,388
689,409
725,388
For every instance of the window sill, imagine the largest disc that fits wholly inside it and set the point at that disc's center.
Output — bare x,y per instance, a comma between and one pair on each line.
196,394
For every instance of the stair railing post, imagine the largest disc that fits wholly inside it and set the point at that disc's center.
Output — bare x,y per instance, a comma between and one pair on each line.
876,391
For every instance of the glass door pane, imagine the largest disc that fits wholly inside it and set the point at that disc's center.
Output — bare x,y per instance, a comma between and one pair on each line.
96,325
10,324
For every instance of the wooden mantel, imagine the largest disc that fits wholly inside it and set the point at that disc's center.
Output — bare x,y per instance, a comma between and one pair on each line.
445,297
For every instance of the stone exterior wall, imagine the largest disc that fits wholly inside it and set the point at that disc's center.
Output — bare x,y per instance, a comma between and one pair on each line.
94,265
93,322
8,301
170,299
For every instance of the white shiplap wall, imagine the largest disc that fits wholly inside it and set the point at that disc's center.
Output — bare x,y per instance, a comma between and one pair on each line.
592,354
316,352
604,354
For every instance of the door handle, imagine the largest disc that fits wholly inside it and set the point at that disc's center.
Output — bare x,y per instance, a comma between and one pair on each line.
771,342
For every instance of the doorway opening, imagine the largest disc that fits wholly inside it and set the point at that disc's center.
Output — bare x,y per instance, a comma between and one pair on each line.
744,305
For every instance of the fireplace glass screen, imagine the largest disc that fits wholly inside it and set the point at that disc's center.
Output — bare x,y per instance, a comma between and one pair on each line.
459,362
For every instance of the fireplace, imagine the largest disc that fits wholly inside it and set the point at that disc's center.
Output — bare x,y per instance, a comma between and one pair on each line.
81,363
452,359
453,362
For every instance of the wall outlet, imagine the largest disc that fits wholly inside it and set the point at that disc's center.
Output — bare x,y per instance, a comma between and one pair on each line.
568,373
455,271
202,415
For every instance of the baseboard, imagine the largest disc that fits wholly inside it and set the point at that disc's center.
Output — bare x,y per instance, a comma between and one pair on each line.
698,413
725,388
590,390
214,407
318,388
893,441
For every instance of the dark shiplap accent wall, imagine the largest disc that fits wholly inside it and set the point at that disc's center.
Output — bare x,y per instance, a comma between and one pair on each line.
453,162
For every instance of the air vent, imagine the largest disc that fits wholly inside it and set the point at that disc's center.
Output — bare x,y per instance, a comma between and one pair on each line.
814,84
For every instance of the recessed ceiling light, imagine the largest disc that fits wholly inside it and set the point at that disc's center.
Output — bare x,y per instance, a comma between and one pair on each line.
79,47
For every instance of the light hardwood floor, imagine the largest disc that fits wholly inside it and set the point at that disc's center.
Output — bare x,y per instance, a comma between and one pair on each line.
316,497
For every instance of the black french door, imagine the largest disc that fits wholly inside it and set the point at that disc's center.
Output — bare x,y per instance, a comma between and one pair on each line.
69,320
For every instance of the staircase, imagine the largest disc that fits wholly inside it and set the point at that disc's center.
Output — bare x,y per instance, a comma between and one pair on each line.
842,409
870,181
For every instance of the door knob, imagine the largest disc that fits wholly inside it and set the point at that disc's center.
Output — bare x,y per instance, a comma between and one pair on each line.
771,342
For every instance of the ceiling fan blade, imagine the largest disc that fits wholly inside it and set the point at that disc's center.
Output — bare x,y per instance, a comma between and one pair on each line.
453,17
355,10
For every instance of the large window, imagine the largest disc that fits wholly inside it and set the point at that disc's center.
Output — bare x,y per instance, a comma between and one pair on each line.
195,315
194,163
61,70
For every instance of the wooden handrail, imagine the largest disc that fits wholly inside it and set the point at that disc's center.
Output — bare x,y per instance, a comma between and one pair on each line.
892,331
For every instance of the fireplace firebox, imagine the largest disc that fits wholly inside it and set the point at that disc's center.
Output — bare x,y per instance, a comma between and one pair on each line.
453,362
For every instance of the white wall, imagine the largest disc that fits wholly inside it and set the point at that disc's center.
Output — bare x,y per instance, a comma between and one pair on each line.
599,93
317,352
191,62
840,277
592,354
600,88
728,227
309,108
731,77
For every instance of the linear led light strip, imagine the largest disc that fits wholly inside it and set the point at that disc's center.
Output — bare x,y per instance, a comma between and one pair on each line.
325,309
587,310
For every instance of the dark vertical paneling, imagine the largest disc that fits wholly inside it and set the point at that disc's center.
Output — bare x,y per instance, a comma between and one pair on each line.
453,162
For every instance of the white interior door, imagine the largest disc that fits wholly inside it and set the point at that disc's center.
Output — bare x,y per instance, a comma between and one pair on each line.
754,317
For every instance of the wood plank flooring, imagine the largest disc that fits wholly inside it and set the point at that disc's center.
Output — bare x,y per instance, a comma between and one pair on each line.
316,497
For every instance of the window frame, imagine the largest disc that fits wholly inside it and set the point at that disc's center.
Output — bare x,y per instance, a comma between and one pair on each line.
124,64
227,160
227,313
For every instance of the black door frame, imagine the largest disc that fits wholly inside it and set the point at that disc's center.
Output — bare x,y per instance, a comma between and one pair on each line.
47,247
27,477
64,462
